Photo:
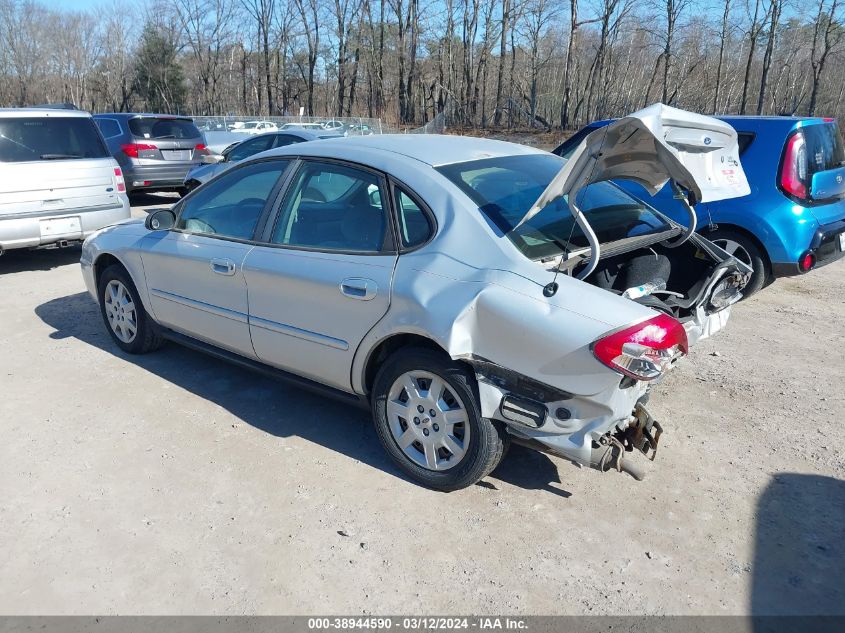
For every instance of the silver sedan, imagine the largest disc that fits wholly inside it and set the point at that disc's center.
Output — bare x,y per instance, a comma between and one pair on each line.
470,292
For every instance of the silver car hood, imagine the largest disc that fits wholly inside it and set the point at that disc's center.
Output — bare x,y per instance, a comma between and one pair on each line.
652,147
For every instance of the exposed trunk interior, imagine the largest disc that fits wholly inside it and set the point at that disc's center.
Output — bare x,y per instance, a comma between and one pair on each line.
671,280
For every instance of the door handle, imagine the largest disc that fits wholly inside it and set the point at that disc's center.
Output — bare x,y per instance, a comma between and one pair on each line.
361,289
223,266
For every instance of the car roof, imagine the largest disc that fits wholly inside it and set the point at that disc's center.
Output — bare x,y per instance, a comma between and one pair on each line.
142,115
41,112
431,149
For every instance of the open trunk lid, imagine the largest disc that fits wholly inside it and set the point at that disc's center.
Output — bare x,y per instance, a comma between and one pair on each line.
658,144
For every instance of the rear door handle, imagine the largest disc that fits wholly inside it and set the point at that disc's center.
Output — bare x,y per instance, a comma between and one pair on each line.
357,288
223,266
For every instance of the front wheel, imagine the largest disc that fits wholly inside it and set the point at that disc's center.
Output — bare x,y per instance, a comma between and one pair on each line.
123,313
745,250
427,417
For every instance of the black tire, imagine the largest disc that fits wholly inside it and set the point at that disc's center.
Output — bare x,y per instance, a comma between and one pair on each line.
147,337
754,256
487,441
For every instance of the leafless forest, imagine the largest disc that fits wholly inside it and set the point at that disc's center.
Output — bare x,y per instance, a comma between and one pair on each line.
493,63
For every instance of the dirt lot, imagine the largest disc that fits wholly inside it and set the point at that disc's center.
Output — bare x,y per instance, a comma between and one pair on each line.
175,483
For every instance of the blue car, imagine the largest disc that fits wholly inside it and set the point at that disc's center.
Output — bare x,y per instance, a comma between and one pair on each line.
794,219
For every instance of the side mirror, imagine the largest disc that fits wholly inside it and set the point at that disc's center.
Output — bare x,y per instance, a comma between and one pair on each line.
212,159
160,220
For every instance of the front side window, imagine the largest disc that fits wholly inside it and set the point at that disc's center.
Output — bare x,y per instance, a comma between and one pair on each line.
24,139
333,207
231,205
505,188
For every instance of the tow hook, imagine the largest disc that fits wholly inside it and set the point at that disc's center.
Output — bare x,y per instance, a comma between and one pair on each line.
642,433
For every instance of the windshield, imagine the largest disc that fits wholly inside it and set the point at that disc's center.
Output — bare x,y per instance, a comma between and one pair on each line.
49,138
505,188
149,127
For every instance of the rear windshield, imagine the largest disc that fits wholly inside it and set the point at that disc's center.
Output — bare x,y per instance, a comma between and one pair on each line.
824,147
149,127
49,138
505,188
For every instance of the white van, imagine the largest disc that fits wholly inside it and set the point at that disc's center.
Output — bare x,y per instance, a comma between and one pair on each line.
58,180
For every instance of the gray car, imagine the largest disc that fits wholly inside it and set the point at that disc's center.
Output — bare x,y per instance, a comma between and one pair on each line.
155,151
213,164
470,292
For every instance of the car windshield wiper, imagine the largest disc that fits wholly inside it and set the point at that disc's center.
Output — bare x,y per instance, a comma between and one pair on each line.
165,136
59,156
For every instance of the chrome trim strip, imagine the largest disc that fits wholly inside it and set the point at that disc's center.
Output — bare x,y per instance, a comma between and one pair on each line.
240,317
307,335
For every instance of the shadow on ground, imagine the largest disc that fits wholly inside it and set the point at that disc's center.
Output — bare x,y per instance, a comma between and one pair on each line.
22,259
273,406
799,548
141,200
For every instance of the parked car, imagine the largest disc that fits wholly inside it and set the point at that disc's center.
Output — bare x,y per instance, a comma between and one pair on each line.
58,182
218,163
303,126
794,219
359,129
155,151
445,282
334,125
257,127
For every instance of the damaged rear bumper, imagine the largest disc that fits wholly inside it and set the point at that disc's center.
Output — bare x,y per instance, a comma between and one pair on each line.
595,430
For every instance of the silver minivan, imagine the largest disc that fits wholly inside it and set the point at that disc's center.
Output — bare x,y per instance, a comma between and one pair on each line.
58,182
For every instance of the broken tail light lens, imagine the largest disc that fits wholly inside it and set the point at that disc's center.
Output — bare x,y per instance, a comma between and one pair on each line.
643,351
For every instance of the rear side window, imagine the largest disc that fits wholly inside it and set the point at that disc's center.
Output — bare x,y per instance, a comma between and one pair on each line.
49,138
744,140
109,127
824,148
414,225
162,128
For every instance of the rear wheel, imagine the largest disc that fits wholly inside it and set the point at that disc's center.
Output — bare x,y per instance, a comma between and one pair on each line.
123,313
746,250
427,418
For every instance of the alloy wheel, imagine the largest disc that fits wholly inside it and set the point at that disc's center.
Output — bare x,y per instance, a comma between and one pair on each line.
120,311
428,421
734,248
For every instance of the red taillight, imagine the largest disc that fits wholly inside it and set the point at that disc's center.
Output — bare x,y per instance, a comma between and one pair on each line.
118,178
829,119
807,261
202,149
645,350
793,173
132,149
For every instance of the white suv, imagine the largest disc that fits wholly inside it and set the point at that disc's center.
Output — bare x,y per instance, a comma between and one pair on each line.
58,181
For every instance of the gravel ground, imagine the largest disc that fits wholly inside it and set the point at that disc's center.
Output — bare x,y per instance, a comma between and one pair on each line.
175,483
